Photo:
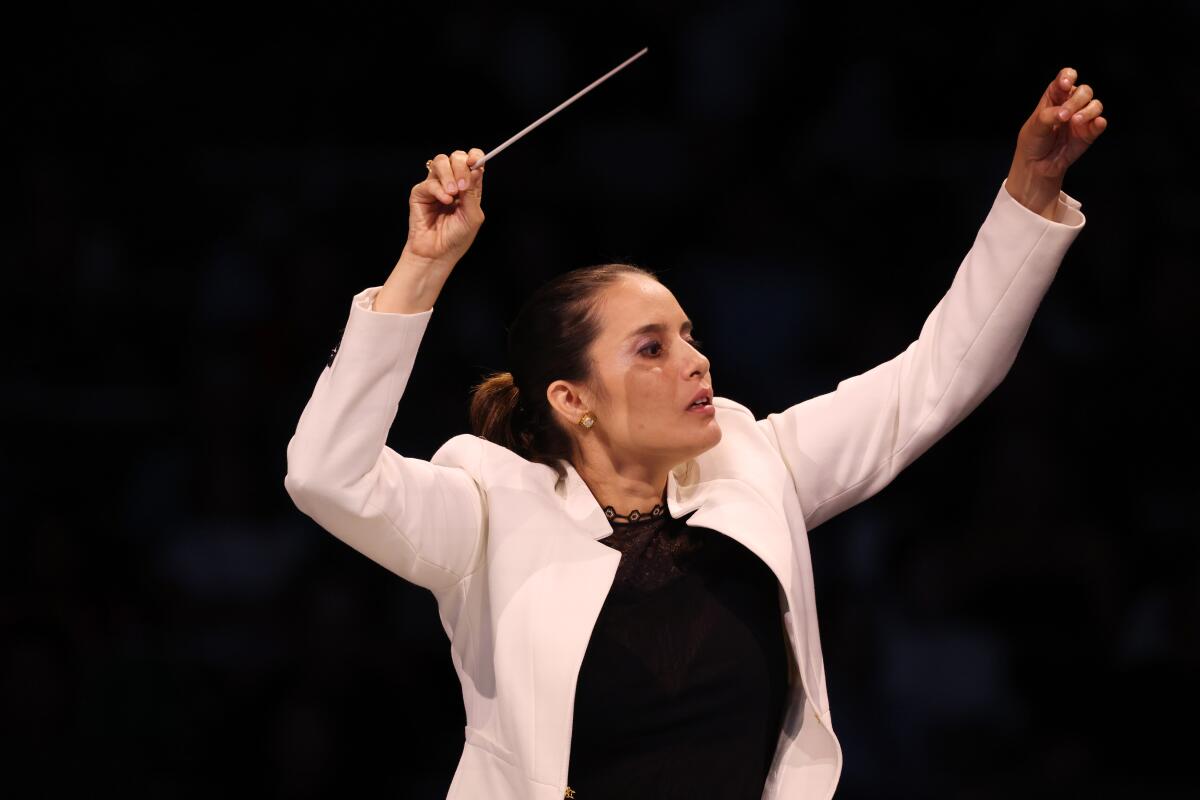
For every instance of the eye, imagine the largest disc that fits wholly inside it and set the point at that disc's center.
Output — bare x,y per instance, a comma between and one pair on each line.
693,342
647,348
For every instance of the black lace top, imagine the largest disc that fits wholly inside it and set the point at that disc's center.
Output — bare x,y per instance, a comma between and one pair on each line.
683,685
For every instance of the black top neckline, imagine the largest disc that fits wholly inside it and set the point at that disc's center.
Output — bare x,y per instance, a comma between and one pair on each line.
634,517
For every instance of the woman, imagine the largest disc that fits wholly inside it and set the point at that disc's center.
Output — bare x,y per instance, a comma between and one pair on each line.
619,556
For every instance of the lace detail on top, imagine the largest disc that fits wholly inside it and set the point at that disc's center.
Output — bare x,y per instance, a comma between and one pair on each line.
659,510
622,519
655,552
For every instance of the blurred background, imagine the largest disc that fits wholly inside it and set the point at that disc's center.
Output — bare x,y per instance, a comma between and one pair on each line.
201,191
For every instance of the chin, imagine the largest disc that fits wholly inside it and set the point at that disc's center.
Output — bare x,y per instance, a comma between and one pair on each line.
716,427
712,436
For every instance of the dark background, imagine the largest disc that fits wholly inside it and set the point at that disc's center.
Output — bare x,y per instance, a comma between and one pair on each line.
201,190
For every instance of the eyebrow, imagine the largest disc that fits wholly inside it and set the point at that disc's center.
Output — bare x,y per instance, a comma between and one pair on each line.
658,326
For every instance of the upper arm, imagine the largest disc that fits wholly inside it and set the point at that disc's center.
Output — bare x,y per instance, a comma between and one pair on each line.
423,521
844,446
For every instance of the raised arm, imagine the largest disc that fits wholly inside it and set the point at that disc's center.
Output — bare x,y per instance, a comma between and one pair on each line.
422,521
844,446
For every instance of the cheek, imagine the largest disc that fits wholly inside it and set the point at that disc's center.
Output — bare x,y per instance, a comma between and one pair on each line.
643,394
658,404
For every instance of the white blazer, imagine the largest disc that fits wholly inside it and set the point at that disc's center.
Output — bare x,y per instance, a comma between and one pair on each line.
514,557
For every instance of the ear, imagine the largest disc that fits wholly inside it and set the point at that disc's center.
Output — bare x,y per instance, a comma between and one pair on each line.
566,400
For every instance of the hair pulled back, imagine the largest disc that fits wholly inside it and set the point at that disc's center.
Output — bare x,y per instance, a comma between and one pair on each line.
547,341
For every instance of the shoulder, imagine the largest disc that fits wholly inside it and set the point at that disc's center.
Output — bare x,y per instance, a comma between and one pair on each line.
487,461
725,402
465,450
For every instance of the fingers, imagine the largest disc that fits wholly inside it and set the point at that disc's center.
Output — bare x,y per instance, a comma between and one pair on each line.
1066,102
450,176
1070,99
1087,113
1092,124
1060,87
1071,108
440,182
475,176
462,176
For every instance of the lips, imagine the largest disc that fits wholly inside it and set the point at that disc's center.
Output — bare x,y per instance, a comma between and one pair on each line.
704,394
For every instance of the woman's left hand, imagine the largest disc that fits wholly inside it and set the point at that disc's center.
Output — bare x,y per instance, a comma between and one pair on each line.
1065,123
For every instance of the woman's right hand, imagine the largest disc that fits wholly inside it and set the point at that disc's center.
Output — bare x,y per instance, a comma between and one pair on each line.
444,212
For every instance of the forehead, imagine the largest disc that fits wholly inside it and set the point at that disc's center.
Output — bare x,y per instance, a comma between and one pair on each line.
633,301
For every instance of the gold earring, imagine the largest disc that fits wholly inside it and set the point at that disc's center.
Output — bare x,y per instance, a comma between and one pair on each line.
587,420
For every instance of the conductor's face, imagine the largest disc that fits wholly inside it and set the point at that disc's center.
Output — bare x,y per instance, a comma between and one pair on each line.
646,372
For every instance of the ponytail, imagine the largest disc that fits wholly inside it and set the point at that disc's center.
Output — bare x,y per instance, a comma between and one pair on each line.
500,415
494,407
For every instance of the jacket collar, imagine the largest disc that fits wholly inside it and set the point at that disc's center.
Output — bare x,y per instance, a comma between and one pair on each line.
725,504
585,510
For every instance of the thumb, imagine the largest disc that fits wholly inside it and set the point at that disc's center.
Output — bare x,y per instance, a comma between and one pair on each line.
473,195
475,187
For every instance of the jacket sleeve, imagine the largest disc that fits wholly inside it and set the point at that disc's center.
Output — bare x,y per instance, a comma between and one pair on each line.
424,522
844,446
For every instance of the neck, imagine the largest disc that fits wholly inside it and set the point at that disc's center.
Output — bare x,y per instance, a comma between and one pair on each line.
627,488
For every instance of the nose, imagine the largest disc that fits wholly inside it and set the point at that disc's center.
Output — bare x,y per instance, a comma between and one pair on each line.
701,365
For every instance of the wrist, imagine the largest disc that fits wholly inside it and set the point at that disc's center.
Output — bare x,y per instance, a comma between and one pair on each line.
414,285
418,263
1038,193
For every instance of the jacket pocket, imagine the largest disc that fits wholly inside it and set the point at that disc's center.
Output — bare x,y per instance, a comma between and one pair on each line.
480,740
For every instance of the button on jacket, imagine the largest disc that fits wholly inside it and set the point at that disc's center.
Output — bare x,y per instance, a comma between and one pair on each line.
513,557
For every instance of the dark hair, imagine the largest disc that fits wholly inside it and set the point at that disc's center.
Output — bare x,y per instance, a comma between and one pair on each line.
547,341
